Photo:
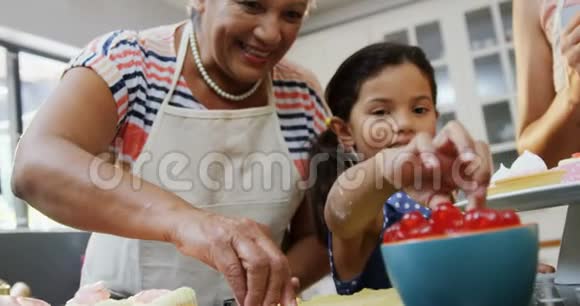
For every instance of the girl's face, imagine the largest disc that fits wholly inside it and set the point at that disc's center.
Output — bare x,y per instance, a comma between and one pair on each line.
391,109
246,38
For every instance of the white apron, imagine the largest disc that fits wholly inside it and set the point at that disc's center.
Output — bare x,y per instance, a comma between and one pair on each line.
232,162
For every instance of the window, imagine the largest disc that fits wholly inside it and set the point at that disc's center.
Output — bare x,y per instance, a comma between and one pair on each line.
7,217
38,77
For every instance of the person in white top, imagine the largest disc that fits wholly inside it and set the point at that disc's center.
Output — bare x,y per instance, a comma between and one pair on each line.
547,49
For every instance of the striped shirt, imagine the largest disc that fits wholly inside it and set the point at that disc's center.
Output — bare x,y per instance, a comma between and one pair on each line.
138,67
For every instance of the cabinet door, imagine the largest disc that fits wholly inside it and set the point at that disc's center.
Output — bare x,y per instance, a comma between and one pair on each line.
425,31
489,27
430,39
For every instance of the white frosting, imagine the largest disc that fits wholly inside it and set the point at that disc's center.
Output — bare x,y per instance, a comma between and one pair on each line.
526,164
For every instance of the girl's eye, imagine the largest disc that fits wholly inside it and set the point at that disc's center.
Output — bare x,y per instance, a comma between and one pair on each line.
294,16
379,112
421,110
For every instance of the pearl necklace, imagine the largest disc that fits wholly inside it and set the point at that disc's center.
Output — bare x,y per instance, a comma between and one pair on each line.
220,92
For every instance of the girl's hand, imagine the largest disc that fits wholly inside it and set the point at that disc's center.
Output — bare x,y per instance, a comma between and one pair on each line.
472,162
429,169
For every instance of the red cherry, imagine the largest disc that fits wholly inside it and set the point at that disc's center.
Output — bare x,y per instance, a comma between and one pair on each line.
509,217
437,230
447,218
447,206
480,219
412,221
393,234
426,230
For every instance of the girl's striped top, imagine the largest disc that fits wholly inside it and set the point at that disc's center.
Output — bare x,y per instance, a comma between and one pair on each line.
138,66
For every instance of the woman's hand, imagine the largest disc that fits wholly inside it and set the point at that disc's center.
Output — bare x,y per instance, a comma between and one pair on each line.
571,51
253,265
20,301
545,269
429,169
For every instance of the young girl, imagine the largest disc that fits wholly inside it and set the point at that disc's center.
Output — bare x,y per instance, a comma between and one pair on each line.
383,132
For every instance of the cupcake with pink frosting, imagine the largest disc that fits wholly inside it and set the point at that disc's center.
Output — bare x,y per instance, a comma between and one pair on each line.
572,168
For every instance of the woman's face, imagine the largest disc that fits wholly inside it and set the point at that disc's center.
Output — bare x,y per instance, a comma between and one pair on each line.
391,109
246,38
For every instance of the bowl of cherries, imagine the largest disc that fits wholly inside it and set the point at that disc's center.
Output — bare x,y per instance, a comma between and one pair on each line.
482,257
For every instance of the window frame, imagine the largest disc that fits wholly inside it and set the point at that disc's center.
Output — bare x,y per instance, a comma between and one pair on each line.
14,43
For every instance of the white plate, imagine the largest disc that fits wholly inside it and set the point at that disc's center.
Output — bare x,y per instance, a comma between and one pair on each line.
535,198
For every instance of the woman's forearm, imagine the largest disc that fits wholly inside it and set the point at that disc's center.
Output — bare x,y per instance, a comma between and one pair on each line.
356,198
54,177
550,136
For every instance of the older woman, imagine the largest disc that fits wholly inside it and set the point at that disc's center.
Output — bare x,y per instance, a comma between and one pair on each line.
206,130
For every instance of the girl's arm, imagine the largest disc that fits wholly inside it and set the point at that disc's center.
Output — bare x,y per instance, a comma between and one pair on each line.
548,123
353,214
356,199
354,203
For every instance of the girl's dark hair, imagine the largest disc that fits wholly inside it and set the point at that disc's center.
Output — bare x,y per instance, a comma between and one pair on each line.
341,94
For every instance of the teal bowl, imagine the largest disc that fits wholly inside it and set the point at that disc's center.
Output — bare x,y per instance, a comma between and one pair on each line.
488,268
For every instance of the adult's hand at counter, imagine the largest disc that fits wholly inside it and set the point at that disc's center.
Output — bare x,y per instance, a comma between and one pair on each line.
20,301
243,250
